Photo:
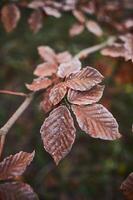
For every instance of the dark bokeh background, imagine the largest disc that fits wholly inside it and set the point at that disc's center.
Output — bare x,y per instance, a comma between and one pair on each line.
94,169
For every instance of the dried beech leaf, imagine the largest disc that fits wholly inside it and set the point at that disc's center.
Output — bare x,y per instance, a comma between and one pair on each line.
127,187
57,93
97,121
15,165
65,69
64,57
52,11
39,84
46,104
85,97
79,16
94,28
114,51
58,133
47,54
17,191
35,21
10,15
45,69
76,29
85,79
128,44
35,4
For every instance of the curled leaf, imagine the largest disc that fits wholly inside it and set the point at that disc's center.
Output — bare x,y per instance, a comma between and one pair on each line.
86,97
57,93
97,121
85,79
58,133
39,84
15,165
65,69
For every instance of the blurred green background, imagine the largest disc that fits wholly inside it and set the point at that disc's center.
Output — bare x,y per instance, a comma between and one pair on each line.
94,169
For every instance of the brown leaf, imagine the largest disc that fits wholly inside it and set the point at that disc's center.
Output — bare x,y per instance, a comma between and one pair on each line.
79,16
16,191
65,69
15,165
94,28
128,44
35,21
85,97
97,121
47,54
57,93
45,69
85,79
76,29
10,15
58,133
64,57
39,84
46,104
127,187
117,50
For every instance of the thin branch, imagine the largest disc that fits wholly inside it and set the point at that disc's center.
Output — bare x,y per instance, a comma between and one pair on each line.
85,52
13,93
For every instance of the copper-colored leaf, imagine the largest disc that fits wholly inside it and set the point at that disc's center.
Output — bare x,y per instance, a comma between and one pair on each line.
58,133
57,93
65,69
94,28
85,79
45,69
35,21
64,57
97,121
85,97
15,165
117,50
76,29
127,187
46,104
128,44
39,84
10,15
47,54
17,191
79,16
52,11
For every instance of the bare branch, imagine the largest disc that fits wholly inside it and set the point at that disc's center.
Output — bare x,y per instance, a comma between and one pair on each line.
13,93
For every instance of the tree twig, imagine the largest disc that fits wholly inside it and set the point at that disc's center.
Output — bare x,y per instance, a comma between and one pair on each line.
13,93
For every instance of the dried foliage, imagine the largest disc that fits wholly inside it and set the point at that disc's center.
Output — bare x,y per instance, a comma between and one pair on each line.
127,187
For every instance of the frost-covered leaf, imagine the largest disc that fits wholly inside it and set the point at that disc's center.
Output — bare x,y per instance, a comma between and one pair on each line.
45,69
15,165
39,84
64,57
117,50
35,21
76,29
58,133
10,15
57,93
94,28
97,121
127,187
85,97
46,104
47,54
65,69
85,79
17,191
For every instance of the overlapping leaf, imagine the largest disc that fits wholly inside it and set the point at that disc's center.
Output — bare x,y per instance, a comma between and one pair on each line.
85,79
58,133
127,187
15,165
57,93
85,97
16,191
39,83
10,15
97,121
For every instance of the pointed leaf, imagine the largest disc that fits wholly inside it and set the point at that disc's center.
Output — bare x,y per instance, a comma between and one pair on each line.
16,191
10,15
85,97
94,28
58,133
35,21
39,84
65,69
45,69
85,79
97,121
127,187
47,54
57,93
15,165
